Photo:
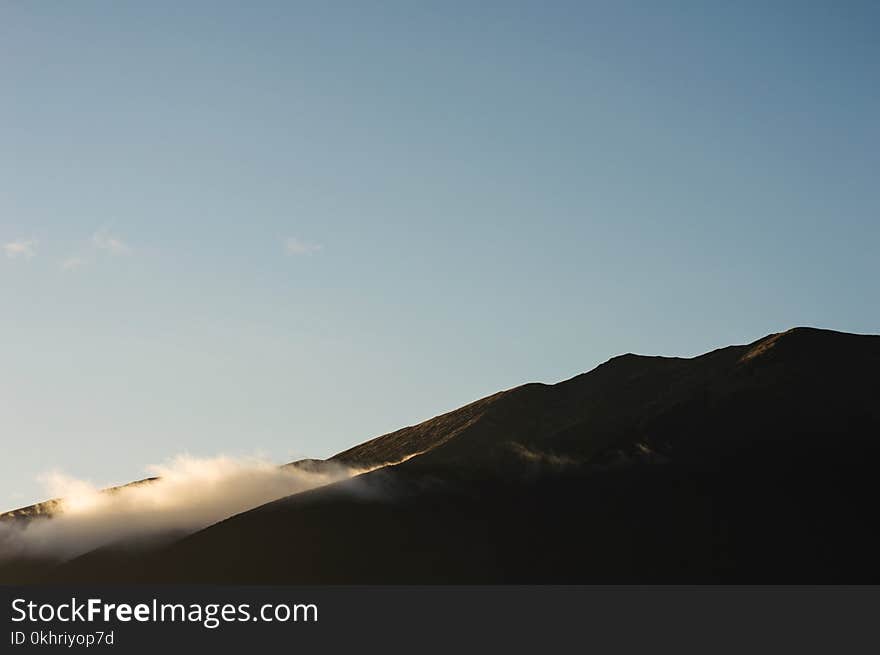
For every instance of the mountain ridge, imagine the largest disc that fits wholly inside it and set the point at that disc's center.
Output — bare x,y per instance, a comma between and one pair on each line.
417,438
676,435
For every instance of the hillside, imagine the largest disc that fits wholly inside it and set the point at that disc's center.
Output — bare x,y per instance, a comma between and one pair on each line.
750,463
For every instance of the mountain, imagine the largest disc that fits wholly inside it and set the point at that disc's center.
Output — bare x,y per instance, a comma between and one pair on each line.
749,464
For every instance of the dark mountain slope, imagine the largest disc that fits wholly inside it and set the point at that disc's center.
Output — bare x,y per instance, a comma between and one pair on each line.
414,440
748,464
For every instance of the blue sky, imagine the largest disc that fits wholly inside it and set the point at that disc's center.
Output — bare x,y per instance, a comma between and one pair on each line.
284,228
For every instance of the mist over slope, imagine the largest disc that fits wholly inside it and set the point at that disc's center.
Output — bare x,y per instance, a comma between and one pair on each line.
751,463
184,495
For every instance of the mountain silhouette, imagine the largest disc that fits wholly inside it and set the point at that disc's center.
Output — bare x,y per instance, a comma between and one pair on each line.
748,464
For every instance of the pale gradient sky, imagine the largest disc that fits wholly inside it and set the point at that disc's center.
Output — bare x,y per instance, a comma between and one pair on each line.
284,228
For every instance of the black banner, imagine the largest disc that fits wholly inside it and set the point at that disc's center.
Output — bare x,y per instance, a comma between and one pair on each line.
211,619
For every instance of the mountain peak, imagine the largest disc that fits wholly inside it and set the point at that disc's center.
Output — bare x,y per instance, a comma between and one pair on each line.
806,342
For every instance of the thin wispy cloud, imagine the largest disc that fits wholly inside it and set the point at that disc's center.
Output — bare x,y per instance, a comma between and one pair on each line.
294,246
103,240
72,263
24,248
